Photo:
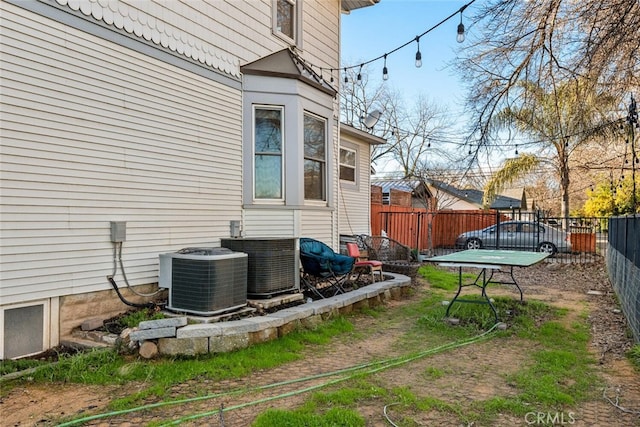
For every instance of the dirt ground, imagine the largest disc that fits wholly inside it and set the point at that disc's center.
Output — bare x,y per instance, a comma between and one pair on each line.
469,374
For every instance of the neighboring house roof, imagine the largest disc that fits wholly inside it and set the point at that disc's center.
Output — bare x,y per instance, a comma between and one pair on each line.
408,185
361,135
396,184
287,64
507,200
349,5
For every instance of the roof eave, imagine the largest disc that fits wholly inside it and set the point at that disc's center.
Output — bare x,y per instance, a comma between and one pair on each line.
349,5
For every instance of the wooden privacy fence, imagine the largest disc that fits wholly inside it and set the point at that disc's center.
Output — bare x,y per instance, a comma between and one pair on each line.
410,226
414,226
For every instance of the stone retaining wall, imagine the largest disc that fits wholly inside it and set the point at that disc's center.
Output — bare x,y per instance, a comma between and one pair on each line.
173,336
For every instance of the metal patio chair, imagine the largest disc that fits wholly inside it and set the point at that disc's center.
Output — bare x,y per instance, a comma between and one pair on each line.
361,265
324,272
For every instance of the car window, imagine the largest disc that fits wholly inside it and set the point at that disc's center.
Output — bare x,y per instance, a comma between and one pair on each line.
528,228
508,228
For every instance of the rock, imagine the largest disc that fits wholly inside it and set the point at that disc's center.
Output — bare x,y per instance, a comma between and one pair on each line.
91,324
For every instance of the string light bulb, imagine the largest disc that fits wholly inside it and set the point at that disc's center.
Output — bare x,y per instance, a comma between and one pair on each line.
516,149
346,77
418,54
460,36
360,73
385,71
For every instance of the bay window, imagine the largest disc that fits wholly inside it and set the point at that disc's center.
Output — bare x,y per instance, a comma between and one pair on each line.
268,152
315,162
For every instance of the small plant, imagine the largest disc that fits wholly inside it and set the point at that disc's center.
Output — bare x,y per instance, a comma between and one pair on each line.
634,355
133,318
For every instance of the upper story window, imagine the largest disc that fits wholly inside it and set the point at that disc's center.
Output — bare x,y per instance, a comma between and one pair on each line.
348,165
287,20
268,155
315,162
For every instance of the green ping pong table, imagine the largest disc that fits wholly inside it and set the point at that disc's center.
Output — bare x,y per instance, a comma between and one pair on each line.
487,261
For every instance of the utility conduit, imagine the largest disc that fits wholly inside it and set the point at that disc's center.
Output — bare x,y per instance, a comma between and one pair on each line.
375,366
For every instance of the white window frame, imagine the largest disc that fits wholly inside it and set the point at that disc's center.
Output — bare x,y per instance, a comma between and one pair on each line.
49,325
324,162
354,166
282,152
296,40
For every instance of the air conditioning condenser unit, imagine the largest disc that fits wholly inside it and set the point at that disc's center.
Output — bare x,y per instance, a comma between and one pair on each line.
204,281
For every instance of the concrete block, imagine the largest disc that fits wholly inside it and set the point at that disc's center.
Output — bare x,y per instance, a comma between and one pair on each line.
267,321
351,298
345,309
91,324
199,330
311,322
236,327
291,314
183,346
149,334
362,304
263,335
287,328
223,344
176,322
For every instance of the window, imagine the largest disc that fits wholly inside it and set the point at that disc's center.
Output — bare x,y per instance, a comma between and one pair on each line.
286,17
268,152
314,157
348,165
287,20
508,228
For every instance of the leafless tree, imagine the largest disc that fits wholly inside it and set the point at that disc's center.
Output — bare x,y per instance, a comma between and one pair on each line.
417,133
548,42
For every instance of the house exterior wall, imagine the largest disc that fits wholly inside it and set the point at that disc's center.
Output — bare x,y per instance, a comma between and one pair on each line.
132,111
355,201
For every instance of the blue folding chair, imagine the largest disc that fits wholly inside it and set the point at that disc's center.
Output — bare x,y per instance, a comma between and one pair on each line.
324,271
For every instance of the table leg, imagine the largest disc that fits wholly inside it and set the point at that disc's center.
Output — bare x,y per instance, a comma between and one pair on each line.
512,282
485,283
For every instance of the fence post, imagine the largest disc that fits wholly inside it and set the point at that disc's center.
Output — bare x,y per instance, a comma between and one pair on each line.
497,229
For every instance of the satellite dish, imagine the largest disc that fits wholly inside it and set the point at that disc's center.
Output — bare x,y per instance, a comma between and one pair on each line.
372,118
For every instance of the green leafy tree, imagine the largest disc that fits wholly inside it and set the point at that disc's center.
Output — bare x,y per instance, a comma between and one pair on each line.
560,119
608,199
600,201
511,170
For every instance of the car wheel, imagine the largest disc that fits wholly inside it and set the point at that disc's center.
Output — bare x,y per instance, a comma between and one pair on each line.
474,244
547,247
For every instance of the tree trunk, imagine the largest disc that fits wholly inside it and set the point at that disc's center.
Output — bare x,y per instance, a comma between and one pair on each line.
564,190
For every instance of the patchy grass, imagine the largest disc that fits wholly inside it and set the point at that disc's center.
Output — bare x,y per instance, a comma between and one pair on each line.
441,278
634,356
556,373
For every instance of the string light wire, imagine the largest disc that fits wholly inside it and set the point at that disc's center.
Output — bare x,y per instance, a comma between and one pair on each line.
385,55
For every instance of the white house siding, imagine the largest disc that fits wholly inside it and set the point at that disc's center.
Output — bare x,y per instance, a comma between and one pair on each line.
93,132
355,200
321,34
316,224
270,223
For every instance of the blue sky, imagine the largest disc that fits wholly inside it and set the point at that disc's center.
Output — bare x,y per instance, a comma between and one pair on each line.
370,32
